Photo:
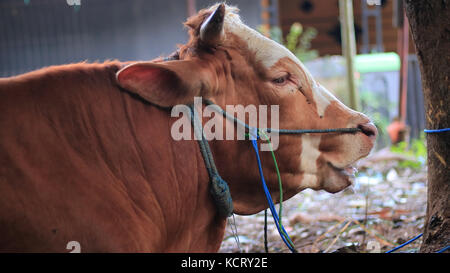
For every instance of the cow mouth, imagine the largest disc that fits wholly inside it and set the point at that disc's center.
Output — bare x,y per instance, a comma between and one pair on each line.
348,171
340,178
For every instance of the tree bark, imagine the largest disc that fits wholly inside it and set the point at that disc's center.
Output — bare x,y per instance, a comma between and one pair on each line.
430,27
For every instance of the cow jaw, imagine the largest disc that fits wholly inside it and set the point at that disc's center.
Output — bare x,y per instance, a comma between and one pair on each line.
319,173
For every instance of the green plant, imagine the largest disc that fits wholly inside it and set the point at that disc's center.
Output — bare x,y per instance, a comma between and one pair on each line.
298,40
376,106
417,150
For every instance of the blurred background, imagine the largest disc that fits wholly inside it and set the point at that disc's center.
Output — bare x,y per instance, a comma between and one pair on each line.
390,198
37,33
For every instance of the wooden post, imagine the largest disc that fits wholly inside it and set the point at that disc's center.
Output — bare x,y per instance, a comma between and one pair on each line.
404,50
349,48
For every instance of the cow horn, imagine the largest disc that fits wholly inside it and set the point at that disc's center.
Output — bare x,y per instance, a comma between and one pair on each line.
211,29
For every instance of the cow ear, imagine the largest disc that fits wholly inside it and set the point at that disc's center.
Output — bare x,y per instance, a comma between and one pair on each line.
166,84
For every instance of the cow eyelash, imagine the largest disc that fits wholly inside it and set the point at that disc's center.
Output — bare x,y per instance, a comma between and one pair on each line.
281,80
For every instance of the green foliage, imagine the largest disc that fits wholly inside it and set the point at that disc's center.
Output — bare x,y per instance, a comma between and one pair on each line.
298,40
276,34
417,150
376,107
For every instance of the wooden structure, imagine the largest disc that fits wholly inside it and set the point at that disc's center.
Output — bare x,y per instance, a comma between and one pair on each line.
34,34
324,16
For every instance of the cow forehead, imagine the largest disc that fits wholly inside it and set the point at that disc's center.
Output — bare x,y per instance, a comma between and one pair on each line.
267,51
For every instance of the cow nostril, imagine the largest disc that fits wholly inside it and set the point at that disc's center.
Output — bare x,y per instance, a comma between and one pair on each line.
368,129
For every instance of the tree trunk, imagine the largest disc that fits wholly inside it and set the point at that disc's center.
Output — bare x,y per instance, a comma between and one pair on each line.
430,27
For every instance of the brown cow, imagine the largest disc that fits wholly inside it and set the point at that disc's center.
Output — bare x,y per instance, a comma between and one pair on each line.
86,153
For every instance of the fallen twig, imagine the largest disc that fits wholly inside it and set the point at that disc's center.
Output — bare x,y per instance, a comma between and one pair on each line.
377,237
313,247
338,235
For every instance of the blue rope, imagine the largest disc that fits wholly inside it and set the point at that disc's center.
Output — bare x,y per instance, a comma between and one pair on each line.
276,219
404,244
430,131
444,249
412,240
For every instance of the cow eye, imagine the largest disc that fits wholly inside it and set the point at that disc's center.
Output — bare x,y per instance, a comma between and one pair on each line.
280,80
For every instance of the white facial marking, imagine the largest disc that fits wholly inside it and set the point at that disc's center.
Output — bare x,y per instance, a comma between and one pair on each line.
308,181
322,97
267,51
308,159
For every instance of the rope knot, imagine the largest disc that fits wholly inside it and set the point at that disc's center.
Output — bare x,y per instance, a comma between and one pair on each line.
221,195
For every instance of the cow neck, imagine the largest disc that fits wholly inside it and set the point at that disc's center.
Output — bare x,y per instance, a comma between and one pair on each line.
219,188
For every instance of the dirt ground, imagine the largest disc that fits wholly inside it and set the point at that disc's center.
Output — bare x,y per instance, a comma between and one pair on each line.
385,208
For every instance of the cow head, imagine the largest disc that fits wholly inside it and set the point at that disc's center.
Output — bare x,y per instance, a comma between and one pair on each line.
230,63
